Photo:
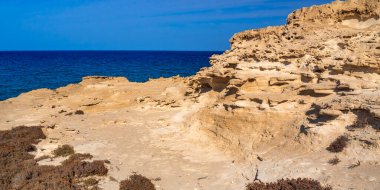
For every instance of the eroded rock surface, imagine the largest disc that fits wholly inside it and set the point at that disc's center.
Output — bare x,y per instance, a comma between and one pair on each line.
266,109
320,68
295,88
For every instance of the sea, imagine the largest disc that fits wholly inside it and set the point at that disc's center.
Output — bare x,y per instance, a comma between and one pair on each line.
23,71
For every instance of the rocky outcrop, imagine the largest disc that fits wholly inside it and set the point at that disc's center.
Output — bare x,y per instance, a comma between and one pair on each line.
303,83
295,101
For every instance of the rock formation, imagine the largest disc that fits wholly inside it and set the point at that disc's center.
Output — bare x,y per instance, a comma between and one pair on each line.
313,77
299,100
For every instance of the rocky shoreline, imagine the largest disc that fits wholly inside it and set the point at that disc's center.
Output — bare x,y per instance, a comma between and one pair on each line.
295,101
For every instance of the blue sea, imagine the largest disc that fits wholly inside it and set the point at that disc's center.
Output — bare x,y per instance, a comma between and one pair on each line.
28,70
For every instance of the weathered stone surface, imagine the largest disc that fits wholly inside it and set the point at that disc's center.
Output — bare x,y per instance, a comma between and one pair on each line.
281,94
295,88
324,57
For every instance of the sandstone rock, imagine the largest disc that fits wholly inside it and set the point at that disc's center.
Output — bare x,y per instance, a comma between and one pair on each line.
324,63
284,93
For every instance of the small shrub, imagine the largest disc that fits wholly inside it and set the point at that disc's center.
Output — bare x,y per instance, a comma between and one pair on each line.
90,182
334,161
79,112
77,156
85,169
137,182
338,145
288,184
63,151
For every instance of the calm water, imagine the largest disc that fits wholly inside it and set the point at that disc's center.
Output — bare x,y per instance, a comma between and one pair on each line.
24,71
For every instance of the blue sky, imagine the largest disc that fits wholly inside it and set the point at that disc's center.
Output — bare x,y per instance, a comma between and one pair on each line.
135,24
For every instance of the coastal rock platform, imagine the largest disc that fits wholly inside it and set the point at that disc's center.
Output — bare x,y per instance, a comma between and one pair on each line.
295,101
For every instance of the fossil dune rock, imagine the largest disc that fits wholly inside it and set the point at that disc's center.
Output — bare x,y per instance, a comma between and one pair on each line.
320,68
266,109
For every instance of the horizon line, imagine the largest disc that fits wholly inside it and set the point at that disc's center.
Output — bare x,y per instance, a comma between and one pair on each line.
112,50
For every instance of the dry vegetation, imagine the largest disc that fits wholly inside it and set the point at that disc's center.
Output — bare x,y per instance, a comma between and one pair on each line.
288,184
64,150
90,182
339,144
334,161
21,171
137,182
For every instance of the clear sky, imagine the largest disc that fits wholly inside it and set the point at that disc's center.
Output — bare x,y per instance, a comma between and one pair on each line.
135,24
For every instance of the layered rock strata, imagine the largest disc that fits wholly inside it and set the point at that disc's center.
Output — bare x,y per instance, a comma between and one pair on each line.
303,83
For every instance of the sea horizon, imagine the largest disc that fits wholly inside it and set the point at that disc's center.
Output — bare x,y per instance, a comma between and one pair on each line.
23,71
112,50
